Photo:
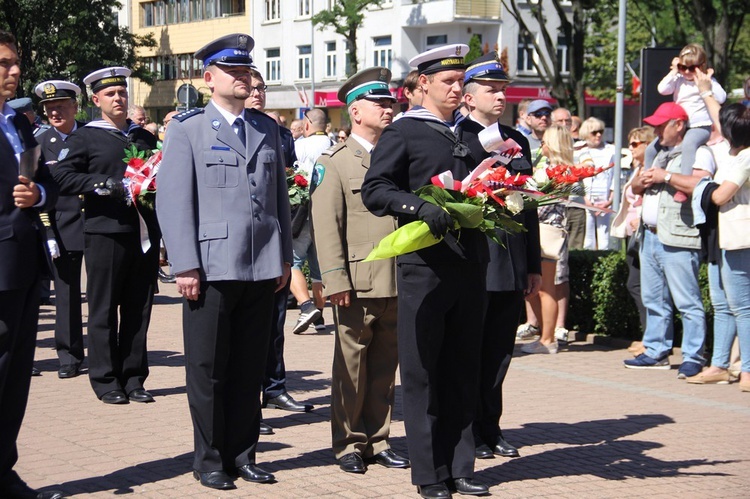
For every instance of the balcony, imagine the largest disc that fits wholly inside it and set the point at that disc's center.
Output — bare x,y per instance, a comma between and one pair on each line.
417,13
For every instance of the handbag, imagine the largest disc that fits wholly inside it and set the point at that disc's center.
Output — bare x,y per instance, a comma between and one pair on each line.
634,242
551,240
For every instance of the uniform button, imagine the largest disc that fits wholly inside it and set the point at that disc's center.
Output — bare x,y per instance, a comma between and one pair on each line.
205,234
404,207
221,160
253,197
257,217
411,208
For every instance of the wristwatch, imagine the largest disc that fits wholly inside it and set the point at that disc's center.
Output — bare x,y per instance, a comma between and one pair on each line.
667,178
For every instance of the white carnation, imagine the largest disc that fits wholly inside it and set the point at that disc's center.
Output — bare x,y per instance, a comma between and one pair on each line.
514,202
540,176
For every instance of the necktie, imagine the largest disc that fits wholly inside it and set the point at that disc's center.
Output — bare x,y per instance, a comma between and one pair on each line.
239,125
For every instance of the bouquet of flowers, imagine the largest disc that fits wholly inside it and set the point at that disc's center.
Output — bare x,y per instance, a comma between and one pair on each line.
486,200
140,176
298,187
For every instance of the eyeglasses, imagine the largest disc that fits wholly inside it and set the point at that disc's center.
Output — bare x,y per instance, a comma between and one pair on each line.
635,144
342,137
261,89
541,114
597,132
690,68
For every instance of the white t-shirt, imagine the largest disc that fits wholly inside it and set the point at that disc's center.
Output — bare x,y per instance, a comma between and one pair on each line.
686,94
308,150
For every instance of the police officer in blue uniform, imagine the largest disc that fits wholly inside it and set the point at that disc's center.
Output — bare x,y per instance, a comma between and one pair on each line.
226,224
121,257
65,231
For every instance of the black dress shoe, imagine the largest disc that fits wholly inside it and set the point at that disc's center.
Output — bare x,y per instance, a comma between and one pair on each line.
434,491
503,448
483,451
140,395
352,463
35,371
68,371
468,487
285,402
265,429
390,459
115,397
252,473
215,479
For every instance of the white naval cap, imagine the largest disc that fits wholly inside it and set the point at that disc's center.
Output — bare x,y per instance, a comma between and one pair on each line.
439,59
107,77
57,90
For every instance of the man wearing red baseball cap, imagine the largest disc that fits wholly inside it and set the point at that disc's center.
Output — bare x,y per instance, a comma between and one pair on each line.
670,252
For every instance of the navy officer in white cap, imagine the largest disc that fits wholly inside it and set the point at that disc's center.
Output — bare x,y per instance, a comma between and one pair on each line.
121,256
227,229
441,289
515,268
65,227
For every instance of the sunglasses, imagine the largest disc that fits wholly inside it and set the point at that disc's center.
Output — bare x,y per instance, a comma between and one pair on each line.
690,68
541,114
635,144
342,137
597,132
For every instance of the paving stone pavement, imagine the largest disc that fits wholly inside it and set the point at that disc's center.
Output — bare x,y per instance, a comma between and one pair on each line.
585,427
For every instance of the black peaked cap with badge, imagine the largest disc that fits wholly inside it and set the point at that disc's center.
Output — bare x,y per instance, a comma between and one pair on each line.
229,50
370,84
56,90
486,68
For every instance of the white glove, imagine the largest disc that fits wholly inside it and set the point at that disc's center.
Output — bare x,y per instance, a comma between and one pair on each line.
54,249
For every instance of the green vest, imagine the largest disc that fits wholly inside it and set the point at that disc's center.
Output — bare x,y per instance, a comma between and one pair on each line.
675,226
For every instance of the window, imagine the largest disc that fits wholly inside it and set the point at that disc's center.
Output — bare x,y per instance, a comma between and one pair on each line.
526,53
304,53
148,14
330,59
563,64
273,65
160,13
197,66
211,7
273,10
303,8
184,11
437,40
382,54
171,11
196,10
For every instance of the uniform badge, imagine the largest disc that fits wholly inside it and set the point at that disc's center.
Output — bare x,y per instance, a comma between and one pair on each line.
242,42
215,124
63,154
255,123
53,139
458,49
318,173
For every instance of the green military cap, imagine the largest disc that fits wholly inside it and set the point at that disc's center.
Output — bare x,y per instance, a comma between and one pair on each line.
370,84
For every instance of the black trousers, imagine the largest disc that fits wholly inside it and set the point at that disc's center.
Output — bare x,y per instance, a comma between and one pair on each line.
120,291
440,317
68,318
498,340
19,315
274,380
226,335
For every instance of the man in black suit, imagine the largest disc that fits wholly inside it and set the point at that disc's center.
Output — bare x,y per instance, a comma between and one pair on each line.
65,232
25,188
514,270
121,249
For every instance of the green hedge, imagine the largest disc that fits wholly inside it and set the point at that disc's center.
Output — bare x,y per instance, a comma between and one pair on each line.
599,298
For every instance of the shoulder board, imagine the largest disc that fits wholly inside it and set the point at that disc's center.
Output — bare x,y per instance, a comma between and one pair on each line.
187,114
255,112
334,149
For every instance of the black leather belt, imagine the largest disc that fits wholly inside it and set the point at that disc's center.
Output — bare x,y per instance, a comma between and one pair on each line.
650,228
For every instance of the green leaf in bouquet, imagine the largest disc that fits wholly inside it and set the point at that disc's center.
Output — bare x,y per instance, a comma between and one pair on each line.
468,216
411,237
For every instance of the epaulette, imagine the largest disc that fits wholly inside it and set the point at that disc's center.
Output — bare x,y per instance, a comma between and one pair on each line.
333,149
189,113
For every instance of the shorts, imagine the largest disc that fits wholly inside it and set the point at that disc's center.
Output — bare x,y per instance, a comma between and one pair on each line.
304,249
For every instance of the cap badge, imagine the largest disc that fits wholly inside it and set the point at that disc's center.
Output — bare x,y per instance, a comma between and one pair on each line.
49,90
242,42
113,72
458,50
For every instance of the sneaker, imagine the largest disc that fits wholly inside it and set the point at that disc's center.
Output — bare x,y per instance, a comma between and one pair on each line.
538,347
526,331
643,361
305,319
319,323
561,334
688,370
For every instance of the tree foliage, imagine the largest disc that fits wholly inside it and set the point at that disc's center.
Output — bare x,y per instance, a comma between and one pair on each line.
345,18
475,49
67,39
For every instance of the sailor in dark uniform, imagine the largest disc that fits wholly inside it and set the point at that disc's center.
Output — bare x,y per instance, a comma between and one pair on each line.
65,230
121,250
514,270
441,289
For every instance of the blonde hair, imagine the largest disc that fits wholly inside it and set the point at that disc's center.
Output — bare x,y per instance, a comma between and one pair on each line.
642,134
589,126
693,54
559,145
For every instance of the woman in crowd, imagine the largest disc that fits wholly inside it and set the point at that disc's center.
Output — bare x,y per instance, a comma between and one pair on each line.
343,134
628,219
731,193
557,148
598,188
